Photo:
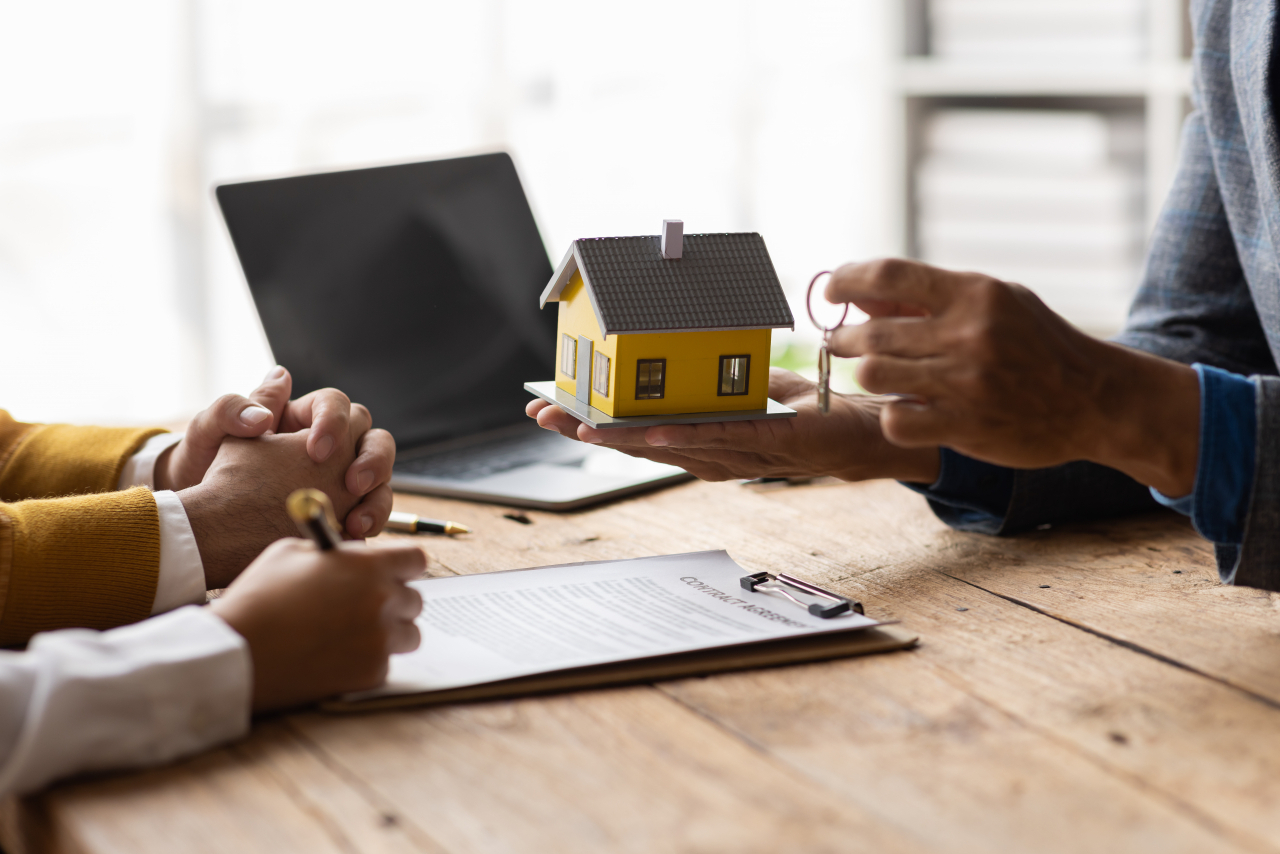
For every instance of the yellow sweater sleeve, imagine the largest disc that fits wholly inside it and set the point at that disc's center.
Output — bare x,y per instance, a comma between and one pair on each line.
73,553
87,561
48,460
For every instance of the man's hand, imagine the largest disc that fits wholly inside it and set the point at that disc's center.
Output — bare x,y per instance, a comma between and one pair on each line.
322,623
328,413
238,509
845,443
986,368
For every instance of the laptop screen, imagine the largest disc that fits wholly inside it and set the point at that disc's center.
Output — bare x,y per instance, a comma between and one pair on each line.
413,288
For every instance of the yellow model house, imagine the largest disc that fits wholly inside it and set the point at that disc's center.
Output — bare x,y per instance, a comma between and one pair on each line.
667,324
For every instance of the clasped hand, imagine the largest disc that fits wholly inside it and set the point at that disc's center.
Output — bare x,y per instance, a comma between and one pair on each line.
242,456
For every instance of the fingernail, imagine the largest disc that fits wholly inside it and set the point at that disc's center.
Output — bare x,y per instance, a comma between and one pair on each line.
324,448
658,442
275,373
252,416
364,480
365,522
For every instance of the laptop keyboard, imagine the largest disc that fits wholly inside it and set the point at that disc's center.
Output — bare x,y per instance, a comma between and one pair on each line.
494,457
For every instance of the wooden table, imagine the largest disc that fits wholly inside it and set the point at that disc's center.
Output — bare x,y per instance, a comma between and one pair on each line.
1086,689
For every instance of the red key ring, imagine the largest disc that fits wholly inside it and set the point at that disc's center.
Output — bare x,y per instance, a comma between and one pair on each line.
808,304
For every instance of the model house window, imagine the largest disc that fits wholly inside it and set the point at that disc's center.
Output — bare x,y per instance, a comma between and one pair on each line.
569,356
651,378
733,374
600,374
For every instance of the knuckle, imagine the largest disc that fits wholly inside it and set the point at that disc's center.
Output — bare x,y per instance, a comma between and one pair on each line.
987,293
894,270
1019,292
847,270
895,427
876,337
871,371
882,269
228,404
332,397
903,425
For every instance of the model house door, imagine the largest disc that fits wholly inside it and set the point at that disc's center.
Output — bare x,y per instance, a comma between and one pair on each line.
582,390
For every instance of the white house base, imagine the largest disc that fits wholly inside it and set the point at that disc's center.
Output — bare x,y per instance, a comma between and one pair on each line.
550,392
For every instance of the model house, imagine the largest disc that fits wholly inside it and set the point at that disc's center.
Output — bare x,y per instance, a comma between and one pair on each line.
667,324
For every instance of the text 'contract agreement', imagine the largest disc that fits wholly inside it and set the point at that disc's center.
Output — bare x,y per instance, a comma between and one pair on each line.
502,625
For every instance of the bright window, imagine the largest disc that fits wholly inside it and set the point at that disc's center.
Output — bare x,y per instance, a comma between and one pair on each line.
733,374
651,378
569,356
120,116
600,374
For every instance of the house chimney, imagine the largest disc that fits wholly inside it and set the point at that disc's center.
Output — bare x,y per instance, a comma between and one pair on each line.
672,238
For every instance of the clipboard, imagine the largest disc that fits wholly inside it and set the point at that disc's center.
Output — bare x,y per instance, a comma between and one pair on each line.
886,638
832,631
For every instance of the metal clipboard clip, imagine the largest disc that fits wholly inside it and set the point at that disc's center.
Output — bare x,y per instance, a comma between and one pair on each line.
767,582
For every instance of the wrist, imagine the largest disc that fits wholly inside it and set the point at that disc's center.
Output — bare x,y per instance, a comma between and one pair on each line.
1146,420
160,472
206,525
884,459
228,534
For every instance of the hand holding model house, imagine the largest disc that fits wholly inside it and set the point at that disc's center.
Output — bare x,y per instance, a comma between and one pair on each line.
665,329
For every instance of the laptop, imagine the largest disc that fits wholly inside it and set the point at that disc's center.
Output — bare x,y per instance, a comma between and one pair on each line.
414,289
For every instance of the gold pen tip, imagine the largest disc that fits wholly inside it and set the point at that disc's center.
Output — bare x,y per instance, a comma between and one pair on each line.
456,528
306,504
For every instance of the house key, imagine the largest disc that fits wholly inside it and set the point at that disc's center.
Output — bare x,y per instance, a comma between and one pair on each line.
824,352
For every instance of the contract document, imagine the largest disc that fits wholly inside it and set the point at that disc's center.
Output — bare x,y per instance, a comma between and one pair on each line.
500,626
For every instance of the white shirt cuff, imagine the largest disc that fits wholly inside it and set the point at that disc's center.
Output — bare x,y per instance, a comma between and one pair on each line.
181,577
140,470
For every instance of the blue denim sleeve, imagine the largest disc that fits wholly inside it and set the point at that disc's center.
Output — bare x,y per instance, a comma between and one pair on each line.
969,495
1219,501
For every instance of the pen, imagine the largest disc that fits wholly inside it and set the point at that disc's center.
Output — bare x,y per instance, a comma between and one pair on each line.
411,524
313,512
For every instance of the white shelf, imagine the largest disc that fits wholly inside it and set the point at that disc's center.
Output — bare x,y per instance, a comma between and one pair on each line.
1160,86
928,77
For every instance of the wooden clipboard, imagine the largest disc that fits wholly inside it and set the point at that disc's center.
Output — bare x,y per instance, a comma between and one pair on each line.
822,647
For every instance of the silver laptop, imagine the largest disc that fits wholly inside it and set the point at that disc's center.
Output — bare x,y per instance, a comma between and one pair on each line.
414,289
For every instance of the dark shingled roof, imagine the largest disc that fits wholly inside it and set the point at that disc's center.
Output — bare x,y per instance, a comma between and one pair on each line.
723,281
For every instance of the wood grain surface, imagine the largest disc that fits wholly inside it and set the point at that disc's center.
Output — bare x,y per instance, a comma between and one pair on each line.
1085,689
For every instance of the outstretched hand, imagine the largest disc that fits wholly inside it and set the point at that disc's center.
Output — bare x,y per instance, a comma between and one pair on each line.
328,414
846,443
985,367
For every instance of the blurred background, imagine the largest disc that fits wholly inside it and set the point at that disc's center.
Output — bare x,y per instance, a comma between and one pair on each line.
1032,139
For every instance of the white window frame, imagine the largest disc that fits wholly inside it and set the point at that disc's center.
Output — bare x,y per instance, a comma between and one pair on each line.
727,363
569,356
600,374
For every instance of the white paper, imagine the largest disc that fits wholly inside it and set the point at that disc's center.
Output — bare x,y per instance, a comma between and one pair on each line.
501,625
